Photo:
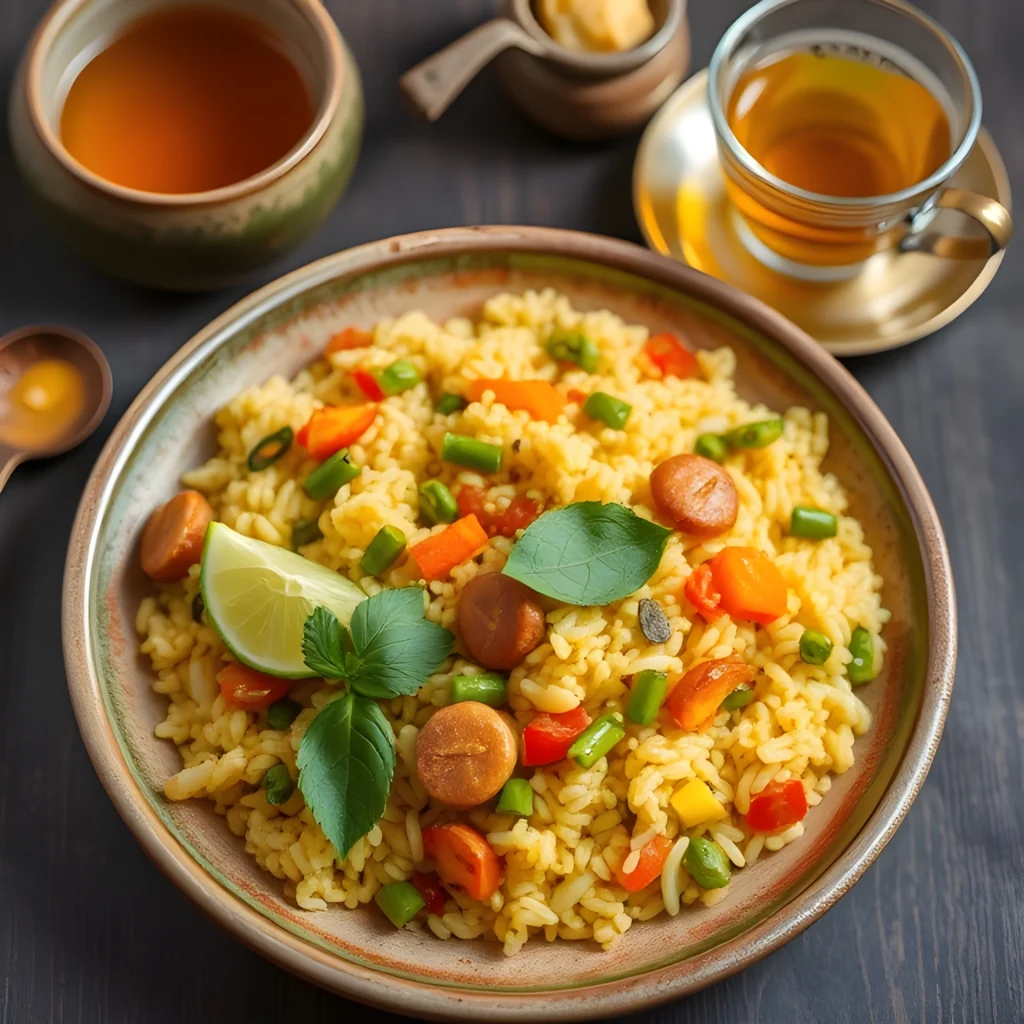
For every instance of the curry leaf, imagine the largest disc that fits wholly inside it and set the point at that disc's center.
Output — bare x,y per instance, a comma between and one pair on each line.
587,553
396,648
346,761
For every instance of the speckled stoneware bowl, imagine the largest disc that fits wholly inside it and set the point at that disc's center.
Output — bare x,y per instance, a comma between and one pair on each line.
168,429
192,241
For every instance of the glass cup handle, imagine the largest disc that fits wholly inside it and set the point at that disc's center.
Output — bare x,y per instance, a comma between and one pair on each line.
991,215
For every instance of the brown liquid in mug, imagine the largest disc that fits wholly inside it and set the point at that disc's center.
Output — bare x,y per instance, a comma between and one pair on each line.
837,126
186,100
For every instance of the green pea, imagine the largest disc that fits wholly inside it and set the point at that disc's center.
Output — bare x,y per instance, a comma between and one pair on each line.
712,447
282,713
862,668
739,698
813,523
815,647
574,347
707,863
755,435
437,504
449,402
277,784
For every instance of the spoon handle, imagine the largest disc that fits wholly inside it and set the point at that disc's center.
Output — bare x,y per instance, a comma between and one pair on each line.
9,458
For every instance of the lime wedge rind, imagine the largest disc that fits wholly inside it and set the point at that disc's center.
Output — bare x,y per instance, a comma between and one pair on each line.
258,597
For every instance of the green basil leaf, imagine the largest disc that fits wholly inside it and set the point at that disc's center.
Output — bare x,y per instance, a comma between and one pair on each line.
395,646
346,761
322,640
587,553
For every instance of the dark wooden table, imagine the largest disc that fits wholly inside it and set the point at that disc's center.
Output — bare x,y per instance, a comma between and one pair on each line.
91,932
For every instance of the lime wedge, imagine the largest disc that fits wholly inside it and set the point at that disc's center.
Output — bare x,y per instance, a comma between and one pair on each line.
258,598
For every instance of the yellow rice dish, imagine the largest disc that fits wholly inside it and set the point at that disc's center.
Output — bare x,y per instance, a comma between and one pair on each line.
693,720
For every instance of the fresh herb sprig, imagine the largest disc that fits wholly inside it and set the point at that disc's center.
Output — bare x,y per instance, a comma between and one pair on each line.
347,759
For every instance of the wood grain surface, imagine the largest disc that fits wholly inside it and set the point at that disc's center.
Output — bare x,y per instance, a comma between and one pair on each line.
91,932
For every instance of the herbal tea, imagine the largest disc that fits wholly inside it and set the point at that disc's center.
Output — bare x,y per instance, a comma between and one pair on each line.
838,127
186,100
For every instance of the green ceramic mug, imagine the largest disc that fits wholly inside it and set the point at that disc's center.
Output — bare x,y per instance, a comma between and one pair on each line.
190,241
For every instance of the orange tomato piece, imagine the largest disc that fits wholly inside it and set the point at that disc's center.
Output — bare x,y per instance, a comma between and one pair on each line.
348,339
440,553
750,585
543,401
670,356
244,687
464,859
697,696
367,383
700,591
335,427
652,860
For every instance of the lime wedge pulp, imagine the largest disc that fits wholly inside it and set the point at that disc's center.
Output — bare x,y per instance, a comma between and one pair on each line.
258,597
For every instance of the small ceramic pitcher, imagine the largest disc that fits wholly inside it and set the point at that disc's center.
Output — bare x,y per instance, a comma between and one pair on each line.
576,95
190,241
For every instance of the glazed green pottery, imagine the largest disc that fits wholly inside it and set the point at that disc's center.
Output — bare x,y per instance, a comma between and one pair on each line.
279,329
196,241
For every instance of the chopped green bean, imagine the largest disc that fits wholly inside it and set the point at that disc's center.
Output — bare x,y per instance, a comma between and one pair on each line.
707,863
609,410
574,347
282,713
450,402
739,698
516,797
469,452
437,504
277,784
813,523
815,647
398,377
332,474
597,739
400,902
862,668
487,688
270,449
755,435
711,446
305,531
647,696
383,551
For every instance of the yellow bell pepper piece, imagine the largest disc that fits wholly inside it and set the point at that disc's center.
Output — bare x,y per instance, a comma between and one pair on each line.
695,804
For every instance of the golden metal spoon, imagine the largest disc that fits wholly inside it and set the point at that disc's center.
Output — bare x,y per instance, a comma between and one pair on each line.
55,386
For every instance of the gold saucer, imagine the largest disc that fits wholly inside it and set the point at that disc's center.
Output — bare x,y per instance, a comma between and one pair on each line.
681,206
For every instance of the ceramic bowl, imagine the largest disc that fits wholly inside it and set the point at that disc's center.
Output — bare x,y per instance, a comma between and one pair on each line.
168,429
191,241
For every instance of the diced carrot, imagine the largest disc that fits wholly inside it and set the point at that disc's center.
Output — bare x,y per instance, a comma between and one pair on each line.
700,591
648,868
367,383
670,356
464,859
244,687
335,427
750,585
543,401
577,396
436,556
696,697
348,339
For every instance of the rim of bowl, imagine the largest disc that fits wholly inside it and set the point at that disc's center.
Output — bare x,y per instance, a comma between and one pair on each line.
52,25
602,63
943,173
429,999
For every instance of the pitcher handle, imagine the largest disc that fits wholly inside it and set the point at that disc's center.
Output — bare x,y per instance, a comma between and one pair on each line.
433,83
990,214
